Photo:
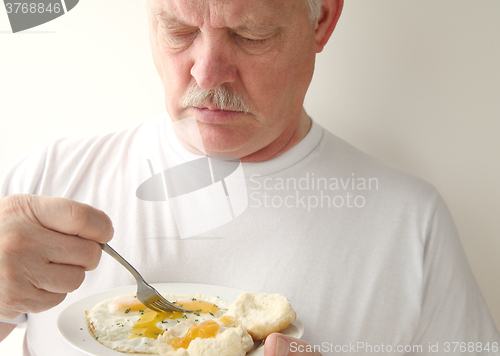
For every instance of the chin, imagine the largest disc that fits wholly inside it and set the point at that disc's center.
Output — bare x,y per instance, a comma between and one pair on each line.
220,139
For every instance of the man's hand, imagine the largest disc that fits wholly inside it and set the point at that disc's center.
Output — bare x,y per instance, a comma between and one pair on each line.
284,345
46,245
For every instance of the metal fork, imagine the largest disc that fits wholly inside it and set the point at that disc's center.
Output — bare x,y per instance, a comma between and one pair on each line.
145,293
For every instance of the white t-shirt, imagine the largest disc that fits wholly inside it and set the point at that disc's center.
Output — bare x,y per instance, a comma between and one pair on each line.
367,254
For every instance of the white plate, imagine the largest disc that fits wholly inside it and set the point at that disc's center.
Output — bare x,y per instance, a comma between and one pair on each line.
73,326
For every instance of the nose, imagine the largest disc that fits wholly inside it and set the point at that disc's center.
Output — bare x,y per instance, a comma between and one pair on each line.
212,63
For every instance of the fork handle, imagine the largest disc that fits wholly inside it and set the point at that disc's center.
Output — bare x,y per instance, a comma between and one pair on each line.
110,251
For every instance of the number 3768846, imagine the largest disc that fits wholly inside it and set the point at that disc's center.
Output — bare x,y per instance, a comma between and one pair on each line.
32,8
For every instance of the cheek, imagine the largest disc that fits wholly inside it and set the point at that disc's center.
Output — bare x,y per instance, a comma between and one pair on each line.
174,71
278,86
177,79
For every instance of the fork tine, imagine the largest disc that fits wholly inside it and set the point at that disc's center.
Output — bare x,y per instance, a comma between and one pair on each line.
152,306
162,307
163,303
156,303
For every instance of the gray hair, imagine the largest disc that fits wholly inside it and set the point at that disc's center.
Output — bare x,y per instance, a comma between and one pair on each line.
314,9
222,97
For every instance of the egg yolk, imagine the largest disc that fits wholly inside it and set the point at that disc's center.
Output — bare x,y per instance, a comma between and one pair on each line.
146,325
197,306
128,304
205,330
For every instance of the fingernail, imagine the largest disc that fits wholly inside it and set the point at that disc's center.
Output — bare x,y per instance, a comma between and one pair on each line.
282,347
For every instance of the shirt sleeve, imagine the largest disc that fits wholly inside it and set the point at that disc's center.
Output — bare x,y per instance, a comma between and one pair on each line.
25,176
454,317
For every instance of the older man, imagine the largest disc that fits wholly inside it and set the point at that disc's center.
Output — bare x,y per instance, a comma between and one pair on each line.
367,254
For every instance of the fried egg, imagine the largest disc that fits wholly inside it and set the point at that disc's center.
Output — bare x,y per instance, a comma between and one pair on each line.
218,337
124,324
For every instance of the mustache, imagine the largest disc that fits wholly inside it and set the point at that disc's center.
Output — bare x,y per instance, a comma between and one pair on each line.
222,98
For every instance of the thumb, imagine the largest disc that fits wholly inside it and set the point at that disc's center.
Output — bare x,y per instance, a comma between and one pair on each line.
70,217
284,345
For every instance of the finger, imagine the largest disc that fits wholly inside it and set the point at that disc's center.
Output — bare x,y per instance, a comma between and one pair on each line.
57,278
72,218
71,250
40,246
5,329
24,298
18,286
7,314
284,345
43,300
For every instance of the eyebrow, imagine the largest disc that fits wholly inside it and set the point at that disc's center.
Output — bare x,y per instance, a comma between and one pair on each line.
260,25
261,28
169,20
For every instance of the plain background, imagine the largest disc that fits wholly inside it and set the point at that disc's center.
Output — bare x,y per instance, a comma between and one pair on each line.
413,82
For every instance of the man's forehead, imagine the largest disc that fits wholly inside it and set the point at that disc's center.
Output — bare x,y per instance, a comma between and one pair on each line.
224,13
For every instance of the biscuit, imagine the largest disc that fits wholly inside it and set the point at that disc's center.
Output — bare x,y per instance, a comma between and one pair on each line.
262,314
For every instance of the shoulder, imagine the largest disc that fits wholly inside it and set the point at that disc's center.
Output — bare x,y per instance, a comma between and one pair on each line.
47,168
106,141
340,158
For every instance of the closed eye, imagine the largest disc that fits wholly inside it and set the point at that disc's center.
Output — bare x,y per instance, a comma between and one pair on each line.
251,42
179,40
251,39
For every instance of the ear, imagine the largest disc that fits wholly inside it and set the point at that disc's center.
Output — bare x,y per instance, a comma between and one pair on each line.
330,14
